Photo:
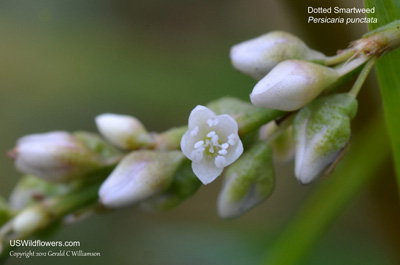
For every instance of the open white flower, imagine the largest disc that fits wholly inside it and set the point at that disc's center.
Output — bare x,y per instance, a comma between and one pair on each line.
212,143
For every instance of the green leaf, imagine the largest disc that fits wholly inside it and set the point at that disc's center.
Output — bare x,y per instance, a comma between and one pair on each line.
388,68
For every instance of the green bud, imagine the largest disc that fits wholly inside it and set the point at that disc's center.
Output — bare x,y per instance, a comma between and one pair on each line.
248,117
248,181
95,143
184,185
321,131
30,190
231,106
170,139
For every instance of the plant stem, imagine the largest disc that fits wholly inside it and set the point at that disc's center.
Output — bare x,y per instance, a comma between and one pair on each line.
60,206
340,57
282,127
255,118
361,78
351,66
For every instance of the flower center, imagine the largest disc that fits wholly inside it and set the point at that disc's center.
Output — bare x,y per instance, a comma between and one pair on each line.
211,145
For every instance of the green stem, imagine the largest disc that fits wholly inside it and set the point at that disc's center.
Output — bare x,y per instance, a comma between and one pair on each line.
63,205
361,78
255,118
344,55
58,207
381,40
332,197
282,127
349,67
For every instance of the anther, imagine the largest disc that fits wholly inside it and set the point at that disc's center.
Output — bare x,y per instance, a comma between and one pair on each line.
198,144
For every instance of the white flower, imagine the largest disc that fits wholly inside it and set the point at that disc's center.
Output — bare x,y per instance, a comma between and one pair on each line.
292,84
256,57
123,131
211,142
56,156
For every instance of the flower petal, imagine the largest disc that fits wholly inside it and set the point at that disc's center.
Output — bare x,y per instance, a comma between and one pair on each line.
234,153
187,144
226,126
200,115
60,137
206,171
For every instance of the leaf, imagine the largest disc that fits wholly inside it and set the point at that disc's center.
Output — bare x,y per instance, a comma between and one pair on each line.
388,68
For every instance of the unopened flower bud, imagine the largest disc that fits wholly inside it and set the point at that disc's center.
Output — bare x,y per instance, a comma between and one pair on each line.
30,190
184,185
138,176
249,181
256,57
292,84
321,131
123,131
30,220
231,106
54,156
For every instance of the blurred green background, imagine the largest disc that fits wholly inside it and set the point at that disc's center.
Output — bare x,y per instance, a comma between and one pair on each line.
64,62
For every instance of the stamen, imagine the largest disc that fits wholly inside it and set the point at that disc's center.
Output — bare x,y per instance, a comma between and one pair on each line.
222,152
224,145
195,131
197,155
211,149
198,144
220,161
214,140
212,122
211,134
232,139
